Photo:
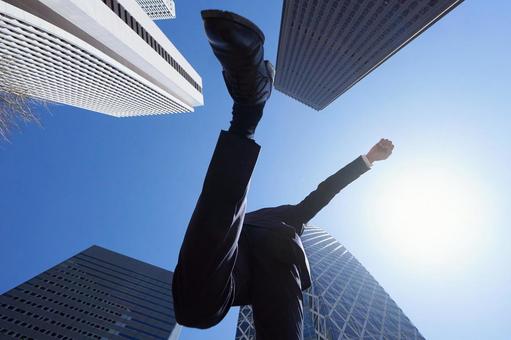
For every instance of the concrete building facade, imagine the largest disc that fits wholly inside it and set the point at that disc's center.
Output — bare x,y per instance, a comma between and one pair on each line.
344,302
96,294
103,55
325,47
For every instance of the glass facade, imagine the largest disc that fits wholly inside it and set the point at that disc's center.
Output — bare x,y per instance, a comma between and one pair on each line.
96,294
325,47
344,301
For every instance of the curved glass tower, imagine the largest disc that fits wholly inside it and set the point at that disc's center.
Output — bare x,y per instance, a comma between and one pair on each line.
344,301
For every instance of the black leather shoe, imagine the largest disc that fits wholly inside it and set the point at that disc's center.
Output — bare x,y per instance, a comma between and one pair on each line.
238,45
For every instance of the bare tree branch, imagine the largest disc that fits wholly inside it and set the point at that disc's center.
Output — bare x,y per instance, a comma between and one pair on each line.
16,102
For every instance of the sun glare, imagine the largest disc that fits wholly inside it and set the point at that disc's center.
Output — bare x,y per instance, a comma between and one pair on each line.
432,217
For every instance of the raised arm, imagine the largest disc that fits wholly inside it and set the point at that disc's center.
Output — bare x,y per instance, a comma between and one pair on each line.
304,211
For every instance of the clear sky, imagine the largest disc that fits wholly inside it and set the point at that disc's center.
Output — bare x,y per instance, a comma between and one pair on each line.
431,223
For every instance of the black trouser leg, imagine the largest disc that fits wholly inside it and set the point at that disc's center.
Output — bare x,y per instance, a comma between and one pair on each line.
276,290
203,284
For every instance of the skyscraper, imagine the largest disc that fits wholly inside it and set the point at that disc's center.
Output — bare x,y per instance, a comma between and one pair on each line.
102,55
327,46
159,9
96,294
344,301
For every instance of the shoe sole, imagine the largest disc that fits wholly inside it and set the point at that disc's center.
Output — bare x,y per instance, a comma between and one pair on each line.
230,16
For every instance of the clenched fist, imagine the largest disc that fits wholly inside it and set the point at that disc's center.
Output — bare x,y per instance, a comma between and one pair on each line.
380,150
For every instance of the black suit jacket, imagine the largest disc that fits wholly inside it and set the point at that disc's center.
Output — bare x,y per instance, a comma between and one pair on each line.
287,221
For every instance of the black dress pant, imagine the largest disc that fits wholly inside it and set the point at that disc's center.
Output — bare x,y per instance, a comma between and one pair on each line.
223,263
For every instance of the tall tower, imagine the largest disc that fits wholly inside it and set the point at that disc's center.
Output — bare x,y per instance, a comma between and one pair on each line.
327,46
159,9
96,294
344,301
103,55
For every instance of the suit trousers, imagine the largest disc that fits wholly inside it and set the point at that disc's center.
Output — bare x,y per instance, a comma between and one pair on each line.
224,263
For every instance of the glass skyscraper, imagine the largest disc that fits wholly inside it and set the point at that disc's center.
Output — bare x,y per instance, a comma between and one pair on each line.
96,294
344,301
326,47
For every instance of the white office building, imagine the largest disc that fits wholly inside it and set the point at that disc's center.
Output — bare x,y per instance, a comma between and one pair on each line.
159,9
103,55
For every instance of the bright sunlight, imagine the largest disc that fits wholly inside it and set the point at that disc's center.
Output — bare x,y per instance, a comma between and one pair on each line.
433,217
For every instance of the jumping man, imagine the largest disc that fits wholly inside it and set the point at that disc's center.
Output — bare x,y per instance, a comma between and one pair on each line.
230,257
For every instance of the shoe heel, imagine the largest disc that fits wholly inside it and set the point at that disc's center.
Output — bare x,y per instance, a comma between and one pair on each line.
208,14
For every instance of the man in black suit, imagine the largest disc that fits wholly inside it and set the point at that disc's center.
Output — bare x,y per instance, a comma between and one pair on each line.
229,258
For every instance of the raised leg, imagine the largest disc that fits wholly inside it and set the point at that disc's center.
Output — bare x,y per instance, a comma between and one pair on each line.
203,285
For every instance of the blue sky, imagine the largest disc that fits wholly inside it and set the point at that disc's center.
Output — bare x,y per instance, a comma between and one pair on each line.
431,223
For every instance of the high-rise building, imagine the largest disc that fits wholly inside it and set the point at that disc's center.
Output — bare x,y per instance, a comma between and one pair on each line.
103,55
159,9
344,301
327,46
96,294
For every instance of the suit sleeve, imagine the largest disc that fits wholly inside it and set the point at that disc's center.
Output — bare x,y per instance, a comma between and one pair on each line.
304,211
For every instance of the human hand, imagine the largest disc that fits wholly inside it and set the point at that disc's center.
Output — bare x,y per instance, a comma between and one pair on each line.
380,151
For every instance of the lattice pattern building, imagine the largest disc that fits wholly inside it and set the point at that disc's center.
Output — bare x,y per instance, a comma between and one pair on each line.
96,294
344,302
159,9
327,46
103,55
